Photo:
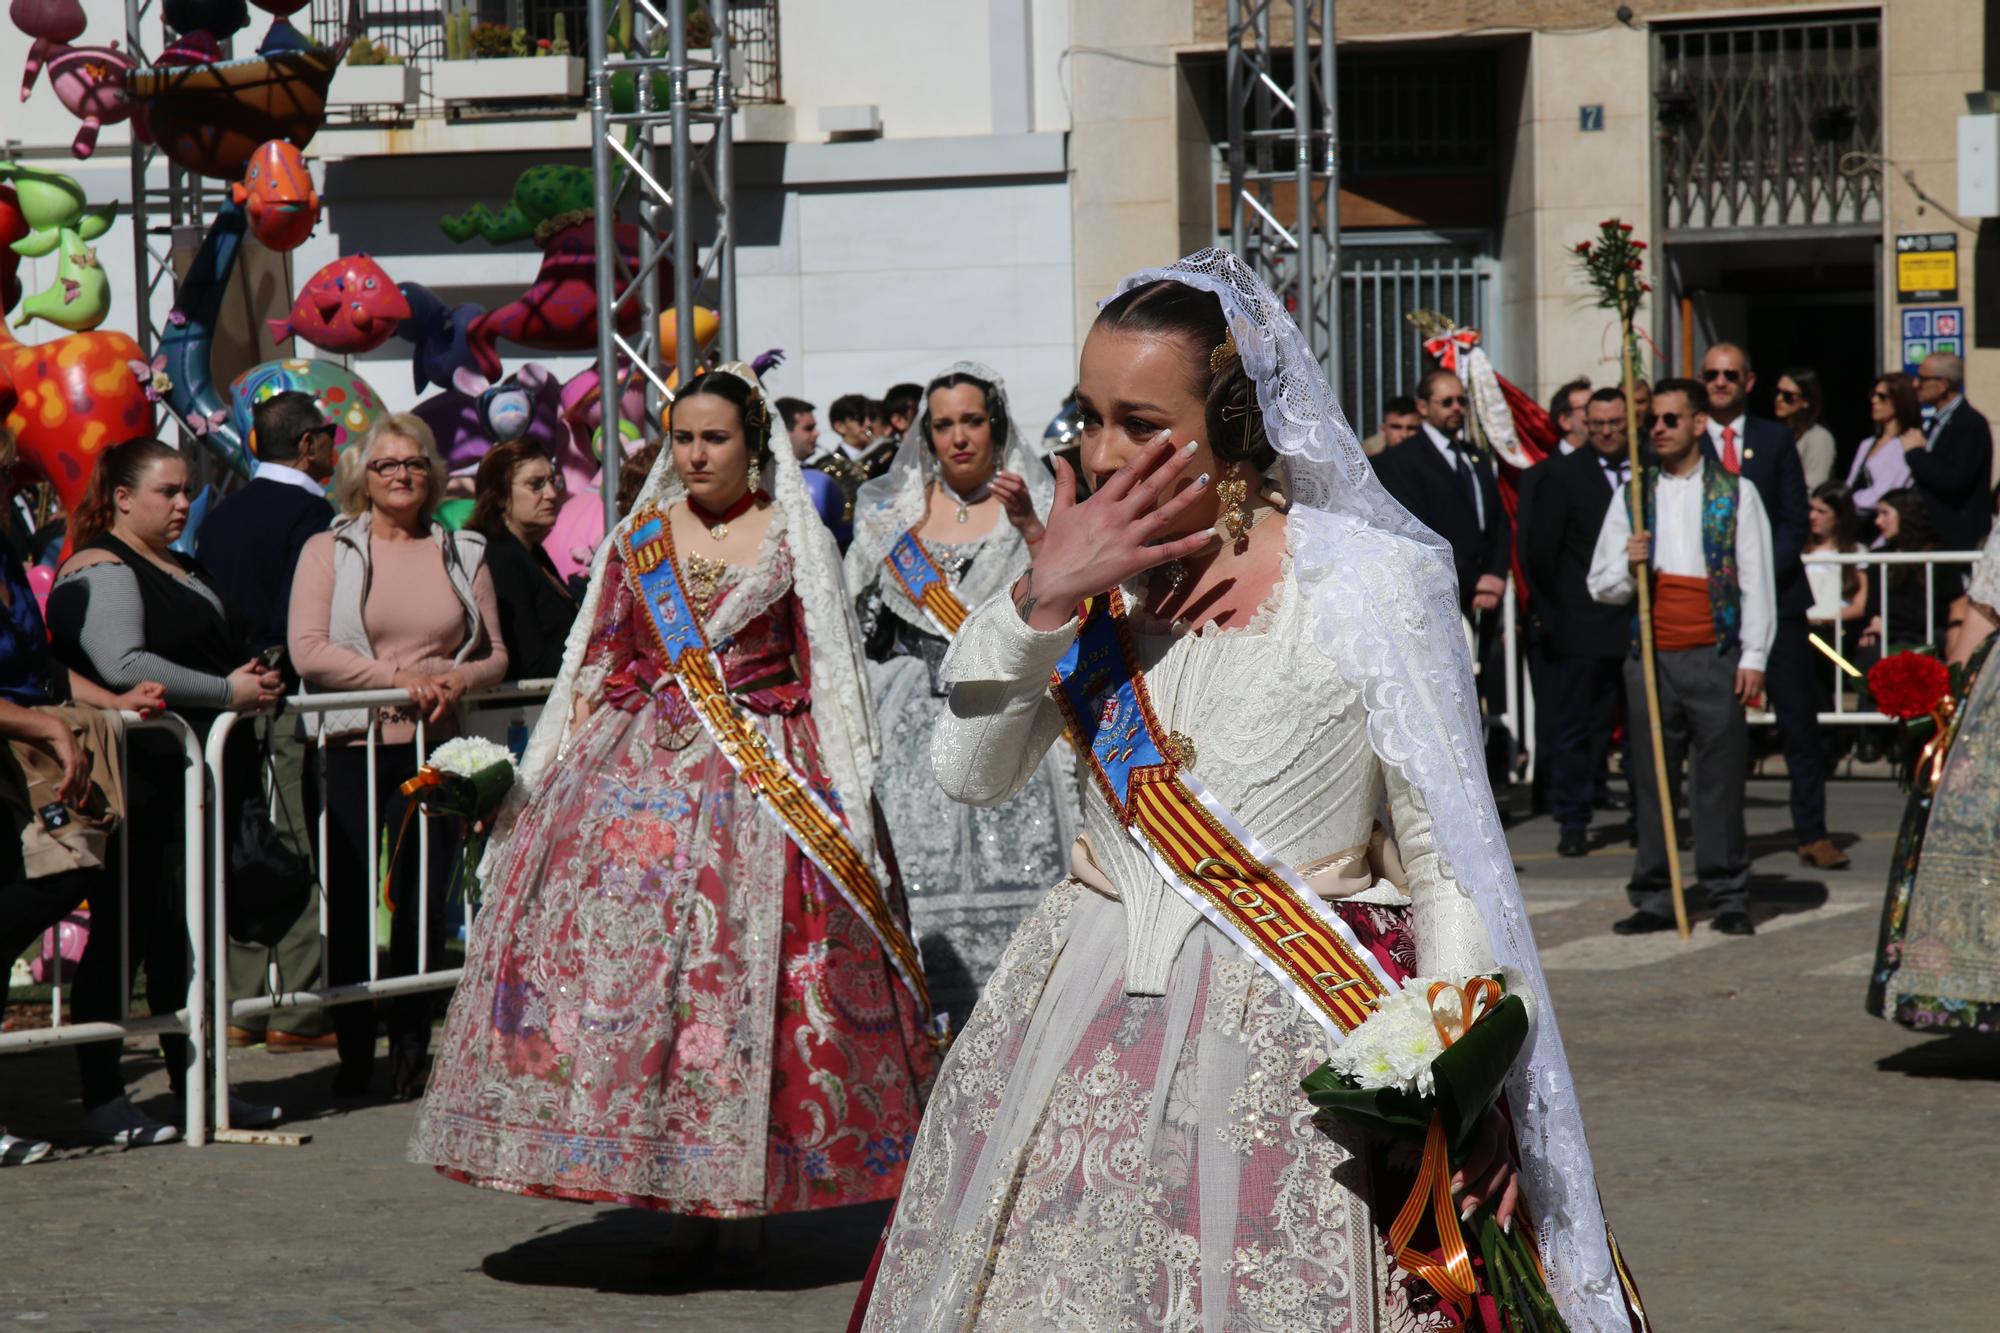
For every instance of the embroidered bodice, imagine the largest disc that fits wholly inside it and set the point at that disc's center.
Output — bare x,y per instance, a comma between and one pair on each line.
751,617
1279,736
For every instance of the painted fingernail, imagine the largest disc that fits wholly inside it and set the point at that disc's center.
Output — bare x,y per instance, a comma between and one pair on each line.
1507,1227
1471,1206
1166,434
1201,481
1190,446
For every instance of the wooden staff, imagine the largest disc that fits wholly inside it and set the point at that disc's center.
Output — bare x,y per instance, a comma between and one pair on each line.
1648,666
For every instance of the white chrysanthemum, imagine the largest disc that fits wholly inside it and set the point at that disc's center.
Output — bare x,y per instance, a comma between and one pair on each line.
1394,1048
467,755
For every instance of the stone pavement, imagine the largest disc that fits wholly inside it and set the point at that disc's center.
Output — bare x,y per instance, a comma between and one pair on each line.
1773,1158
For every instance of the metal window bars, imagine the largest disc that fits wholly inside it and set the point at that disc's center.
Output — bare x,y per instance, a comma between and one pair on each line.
1754,118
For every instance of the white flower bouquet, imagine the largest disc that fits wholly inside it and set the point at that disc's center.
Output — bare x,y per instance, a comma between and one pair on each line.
466,778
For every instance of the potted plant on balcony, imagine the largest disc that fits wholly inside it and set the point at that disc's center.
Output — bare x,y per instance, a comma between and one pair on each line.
491,62
373,75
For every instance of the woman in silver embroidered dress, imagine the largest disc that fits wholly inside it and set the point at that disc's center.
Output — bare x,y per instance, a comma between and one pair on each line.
967,487
1118,1138
666,1002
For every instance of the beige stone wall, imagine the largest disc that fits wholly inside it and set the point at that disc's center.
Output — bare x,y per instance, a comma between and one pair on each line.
1931,53
1362,19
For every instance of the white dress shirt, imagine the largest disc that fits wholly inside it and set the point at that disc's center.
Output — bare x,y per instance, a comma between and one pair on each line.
1736,429
287,475
1459,462
1677,549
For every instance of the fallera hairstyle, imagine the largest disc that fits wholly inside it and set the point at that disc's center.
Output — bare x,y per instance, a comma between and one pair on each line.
1915,531
1846,527
282,422
1559,401
1402,405
351,486
1811,398
903,400
790,409
750,407
1902,391
1164,308
1430,381
1697,395
493,485
996,411
121,467
847,407
1610,393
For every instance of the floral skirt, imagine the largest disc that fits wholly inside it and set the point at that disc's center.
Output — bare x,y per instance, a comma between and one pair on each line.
666,1004
1098,1160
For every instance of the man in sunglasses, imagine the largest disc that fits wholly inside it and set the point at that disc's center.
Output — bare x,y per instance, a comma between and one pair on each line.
1764,454
1452,491
1708,554
1953,465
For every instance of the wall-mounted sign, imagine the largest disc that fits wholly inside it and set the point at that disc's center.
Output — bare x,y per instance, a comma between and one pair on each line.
1590,119
1927,267
1935,329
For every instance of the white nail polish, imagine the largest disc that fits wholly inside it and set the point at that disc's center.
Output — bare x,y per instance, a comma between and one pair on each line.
1190,446
1507,1227
1201,481
1468,1210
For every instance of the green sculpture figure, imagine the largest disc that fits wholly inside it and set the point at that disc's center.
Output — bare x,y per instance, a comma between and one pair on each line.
61,222
541,194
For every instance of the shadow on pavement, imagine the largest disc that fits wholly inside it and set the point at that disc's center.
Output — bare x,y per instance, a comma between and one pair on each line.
1965,1055
633,1250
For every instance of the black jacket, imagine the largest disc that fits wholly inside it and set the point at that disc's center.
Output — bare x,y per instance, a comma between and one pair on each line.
1771,463
250,546
1954,474
1571,496
535,609
1417,475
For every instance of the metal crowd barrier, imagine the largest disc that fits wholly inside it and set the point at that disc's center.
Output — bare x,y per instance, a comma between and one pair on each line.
512,698
192,1018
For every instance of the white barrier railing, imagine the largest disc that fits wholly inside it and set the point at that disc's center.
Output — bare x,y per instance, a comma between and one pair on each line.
192,1019
512,697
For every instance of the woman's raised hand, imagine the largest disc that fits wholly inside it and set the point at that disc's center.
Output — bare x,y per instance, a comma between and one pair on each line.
1117,533
1019,506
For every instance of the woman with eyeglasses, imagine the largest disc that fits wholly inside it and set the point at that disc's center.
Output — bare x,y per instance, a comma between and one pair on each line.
517,494
1797,404
1879,465
388,599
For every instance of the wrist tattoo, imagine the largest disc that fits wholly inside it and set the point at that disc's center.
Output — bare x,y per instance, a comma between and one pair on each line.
1024,596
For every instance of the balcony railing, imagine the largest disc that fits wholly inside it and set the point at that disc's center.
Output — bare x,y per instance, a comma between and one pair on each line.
1754,118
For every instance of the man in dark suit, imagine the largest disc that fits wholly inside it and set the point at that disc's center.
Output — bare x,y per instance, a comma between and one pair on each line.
1762,452
250,546
1953,467
1452,491
1587,641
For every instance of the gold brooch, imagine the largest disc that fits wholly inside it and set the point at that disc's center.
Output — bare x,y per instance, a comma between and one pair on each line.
1224,353
1180,749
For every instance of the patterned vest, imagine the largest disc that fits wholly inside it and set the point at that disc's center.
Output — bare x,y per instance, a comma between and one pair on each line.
1718,548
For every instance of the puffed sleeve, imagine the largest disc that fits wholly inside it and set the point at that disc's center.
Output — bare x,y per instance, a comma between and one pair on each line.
1451,937
611,646
999,719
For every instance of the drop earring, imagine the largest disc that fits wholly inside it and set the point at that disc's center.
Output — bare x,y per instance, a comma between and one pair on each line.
756,477
1233,520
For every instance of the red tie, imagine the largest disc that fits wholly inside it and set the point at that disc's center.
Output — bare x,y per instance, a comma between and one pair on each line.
1729,459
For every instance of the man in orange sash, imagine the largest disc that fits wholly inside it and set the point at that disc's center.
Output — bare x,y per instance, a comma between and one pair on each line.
1708,554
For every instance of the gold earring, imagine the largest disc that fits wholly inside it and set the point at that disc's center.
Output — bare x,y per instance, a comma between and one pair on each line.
1233,520
756,477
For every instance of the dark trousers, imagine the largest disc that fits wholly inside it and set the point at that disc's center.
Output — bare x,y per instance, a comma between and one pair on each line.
1584,694
343,792
1789,685
30,906
1705,730
1543,686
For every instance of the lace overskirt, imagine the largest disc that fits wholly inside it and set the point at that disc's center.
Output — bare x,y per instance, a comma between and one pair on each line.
665,1004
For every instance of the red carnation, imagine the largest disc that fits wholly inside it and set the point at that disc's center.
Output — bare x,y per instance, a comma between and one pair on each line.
1608,224
1909,685
1583,247
1638,245
1625,227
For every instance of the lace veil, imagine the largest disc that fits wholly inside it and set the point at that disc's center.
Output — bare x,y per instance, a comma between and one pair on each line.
841,710
893,503
1384,602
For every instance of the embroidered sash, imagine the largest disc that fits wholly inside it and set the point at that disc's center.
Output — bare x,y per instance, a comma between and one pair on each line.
807,814
1208,856
925,584
1719,489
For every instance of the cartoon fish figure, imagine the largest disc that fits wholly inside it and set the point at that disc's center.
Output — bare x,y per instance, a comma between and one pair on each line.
349,306
277,192
79,298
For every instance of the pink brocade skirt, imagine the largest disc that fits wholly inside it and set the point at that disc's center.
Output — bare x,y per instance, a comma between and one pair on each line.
666,1004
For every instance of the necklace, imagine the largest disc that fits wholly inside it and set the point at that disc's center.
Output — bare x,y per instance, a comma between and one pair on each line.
978,493
718,524
704,577
1176,571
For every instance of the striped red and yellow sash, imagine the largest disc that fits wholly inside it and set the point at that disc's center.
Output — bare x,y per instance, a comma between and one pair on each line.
919,576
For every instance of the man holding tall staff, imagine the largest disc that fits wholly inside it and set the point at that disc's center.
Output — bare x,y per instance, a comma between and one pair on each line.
1706,554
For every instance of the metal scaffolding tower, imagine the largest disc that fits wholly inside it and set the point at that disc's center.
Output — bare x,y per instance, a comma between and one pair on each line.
642,80
164,196
1284,161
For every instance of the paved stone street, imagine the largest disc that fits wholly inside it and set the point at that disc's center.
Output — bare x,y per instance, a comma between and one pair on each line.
1773,1158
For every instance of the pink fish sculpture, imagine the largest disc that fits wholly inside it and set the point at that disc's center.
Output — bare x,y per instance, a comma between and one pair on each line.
277,193
88,80
349,306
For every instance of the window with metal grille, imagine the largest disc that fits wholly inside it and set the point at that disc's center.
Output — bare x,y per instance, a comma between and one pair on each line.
1754,118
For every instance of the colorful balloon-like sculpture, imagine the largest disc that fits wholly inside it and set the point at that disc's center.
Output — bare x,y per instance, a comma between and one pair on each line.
90,81
60,221
277,193
350,306
344,398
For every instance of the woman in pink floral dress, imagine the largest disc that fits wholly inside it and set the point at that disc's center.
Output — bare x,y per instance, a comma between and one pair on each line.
667,1001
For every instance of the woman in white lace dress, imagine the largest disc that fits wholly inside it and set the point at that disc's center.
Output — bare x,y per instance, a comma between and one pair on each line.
690,986
1118,1138
950,524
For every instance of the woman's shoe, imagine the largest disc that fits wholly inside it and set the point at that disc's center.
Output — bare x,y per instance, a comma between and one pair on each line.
123,1125
22,1152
